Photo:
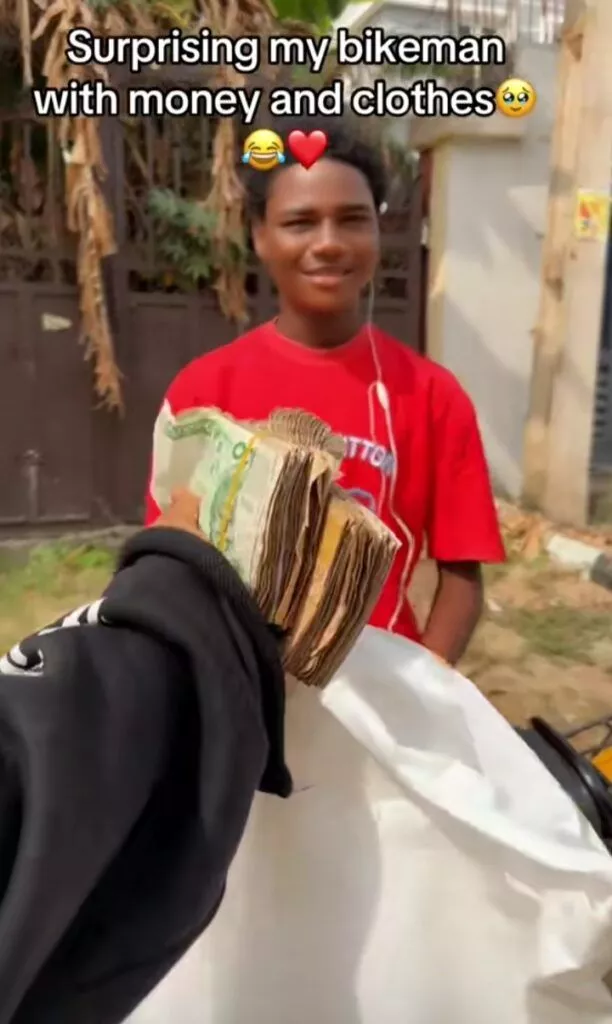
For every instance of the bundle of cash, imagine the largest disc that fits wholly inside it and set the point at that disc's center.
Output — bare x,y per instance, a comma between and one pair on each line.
351,565
314,560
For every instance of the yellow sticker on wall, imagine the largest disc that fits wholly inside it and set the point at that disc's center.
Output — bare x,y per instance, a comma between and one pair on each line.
592,217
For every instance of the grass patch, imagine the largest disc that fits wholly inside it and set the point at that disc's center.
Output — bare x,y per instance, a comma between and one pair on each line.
560,632
492,574
55,579
50,568
544,578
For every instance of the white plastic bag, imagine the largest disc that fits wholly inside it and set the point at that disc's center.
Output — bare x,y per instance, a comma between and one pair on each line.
455,883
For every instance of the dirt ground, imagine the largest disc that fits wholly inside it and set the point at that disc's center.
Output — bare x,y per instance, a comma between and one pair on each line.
543,648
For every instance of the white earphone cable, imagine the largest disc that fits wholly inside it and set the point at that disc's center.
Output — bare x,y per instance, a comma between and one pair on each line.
378,389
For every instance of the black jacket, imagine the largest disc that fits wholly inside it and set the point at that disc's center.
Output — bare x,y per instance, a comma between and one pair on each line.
131,747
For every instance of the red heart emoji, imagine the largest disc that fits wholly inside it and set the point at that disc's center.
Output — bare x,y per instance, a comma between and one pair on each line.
307,149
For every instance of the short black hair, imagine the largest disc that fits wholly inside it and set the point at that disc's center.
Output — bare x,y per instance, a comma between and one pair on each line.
347,142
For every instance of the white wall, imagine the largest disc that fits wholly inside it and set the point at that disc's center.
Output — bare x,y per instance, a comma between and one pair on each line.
495,220
408,20
495,212
530,19
401,20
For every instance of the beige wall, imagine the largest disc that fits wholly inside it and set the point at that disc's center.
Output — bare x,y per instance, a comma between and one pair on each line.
487,224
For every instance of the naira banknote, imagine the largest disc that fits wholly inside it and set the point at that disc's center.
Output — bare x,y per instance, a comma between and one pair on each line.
313,558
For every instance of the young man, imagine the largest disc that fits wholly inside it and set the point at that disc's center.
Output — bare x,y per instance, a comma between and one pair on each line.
413,450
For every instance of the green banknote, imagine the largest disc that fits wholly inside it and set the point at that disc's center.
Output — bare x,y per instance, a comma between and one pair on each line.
224,463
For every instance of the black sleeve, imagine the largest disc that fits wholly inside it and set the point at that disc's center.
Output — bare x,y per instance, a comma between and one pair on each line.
133,737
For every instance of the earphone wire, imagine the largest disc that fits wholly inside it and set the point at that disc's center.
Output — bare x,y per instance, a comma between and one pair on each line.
378,388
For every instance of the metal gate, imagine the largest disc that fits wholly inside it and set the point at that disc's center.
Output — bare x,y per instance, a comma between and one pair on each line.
65,462
602,442
602,432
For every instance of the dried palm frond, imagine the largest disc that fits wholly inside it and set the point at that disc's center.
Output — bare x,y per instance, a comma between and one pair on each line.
42,28
226,199
233,18
88,215
89,219
87,212
25,33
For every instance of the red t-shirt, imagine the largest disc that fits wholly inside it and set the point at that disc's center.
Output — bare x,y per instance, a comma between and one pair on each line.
442,490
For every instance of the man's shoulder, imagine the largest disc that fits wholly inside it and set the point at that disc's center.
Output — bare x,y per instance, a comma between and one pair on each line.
416,371
223,356
204,373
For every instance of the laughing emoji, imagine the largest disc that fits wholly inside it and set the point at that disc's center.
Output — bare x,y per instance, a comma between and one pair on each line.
263,150
516,98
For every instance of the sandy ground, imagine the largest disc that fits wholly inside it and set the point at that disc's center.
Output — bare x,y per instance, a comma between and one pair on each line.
544,646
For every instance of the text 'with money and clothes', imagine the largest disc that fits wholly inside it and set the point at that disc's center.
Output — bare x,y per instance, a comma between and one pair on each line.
94,95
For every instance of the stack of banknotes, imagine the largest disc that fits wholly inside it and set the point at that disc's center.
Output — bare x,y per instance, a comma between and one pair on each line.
314,559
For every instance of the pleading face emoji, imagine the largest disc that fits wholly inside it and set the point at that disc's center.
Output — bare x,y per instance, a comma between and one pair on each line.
516,98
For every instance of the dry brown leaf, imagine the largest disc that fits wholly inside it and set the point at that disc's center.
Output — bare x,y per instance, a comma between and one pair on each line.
231,18
25,30
533,542
56,10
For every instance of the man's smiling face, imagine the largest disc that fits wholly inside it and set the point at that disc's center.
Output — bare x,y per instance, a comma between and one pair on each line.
319,239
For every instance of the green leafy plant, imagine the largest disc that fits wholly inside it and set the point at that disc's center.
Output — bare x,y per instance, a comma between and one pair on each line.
185,236
318,13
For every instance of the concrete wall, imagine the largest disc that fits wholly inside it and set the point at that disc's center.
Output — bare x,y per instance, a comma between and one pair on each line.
408,20
488,219
424,17
487,224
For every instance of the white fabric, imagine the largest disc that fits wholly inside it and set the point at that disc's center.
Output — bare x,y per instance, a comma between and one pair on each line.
455,883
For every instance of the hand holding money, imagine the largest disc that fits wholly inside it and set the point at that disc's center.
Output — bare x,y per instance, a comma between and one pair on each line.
314,559
183,513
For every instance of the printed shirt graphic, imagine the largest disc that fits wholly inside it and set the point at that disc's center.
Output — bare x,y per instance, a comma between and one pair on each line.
26,657
371,454
440,487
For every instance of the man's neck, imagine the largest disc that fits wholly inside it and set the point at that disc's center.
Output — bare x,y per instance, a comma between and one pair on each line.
323,332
